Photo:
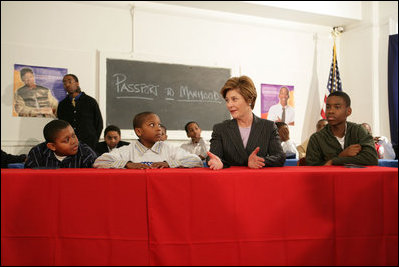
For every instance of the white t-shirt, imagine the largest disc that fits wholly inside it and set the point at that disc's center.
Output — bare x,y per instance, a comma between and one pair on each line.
341,140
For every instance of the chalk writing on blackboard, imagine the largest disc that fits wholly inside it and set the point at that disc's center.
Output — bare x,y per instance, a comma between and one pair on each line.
177,93
124,89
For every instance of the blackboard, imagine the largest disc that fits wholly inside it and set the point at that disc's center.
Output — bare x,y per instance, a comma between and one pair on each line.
177,93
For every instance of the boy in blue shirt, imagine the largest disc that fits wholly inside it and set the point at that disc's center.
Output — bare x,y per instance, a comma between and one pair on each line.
61,149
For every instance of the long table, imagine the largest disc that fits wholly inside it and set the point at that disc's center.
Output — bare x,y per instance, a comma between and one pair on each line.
381,162
236,216
288,162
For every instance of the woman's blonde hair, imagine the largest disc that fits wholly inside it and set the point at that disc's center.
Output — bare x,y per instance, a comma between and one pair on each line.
244,85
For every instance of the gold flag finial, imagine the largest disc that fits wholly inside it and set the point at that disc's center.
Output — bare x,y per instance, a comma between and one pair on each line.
337,31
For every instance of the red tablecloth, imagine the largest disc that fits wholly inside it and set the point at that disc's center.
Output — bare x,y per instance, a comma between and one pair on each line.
236,216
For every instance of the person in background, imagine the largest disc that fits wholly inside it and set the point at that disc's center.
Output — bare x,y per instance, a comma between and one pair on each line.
246,140
81,111
32,100
302,147
112,140
164,136
9,158
382,145
197,145
288,145
340,142
282,111
61,149
148,152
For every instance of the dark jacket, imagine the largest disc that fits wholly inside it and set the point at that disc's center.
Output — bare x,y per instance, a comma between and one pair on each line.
8,158
85,118
101,147
323,146
226,143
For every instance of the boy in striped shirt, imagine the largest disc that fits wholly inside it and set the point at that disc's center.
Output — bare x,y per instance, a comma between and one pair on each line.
61,149
148,152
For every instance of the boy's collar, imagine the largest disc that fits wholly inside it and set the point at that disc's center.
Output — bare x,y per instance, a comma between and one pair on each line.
199,141
142,148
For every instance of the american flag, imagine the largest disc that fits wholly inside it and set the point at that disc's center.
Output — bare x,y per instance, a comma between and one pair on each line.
334,81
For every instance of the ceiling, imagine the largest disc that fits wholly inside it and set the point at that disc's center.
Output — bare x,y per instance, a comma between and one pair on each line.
265,11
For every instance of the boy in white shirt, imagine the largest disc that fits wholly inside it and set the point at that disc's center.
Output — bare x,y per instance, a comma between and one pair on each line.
196,145
149,152
382,145
287,144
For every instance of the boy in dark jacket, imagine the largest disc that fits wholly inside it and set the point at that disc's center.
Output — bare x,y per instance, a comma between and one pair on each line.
340,142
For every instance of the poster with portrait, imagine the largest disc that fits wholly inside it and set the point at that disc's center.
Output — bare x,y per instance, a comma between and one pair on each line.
277,103
37,90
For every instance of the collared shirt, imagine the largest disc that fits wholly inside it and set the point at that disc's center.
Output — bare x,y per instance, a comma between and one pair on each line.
289,148
41,156
199,148
110,149
137,152
276,111
76,97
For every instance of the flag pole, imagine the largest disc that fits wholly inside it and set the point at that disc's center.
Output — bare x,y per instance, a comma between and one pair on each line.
333,82
334,75
336,31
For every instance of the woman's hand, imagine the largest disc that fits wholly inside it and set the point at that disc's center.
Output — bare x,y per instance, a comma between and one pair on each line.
255,162
214,163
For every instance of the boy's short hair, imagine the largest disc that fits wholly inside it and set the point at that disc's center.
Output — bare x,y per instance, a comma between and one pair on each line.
188,123
139,118
112,128
345,96
280,124
23,71
52,128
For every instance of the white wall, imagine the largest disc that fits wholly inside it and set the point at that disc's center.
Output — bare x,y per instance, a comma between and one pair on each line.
364,64
73,35
54,34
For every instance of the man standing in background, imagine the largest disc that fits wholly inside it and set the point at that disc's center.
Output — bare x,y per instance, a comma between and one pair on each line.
81,111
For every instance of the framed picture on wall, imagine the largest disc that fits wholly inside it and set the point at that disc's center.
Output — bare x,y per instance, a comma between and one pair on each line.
277,103
37,90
